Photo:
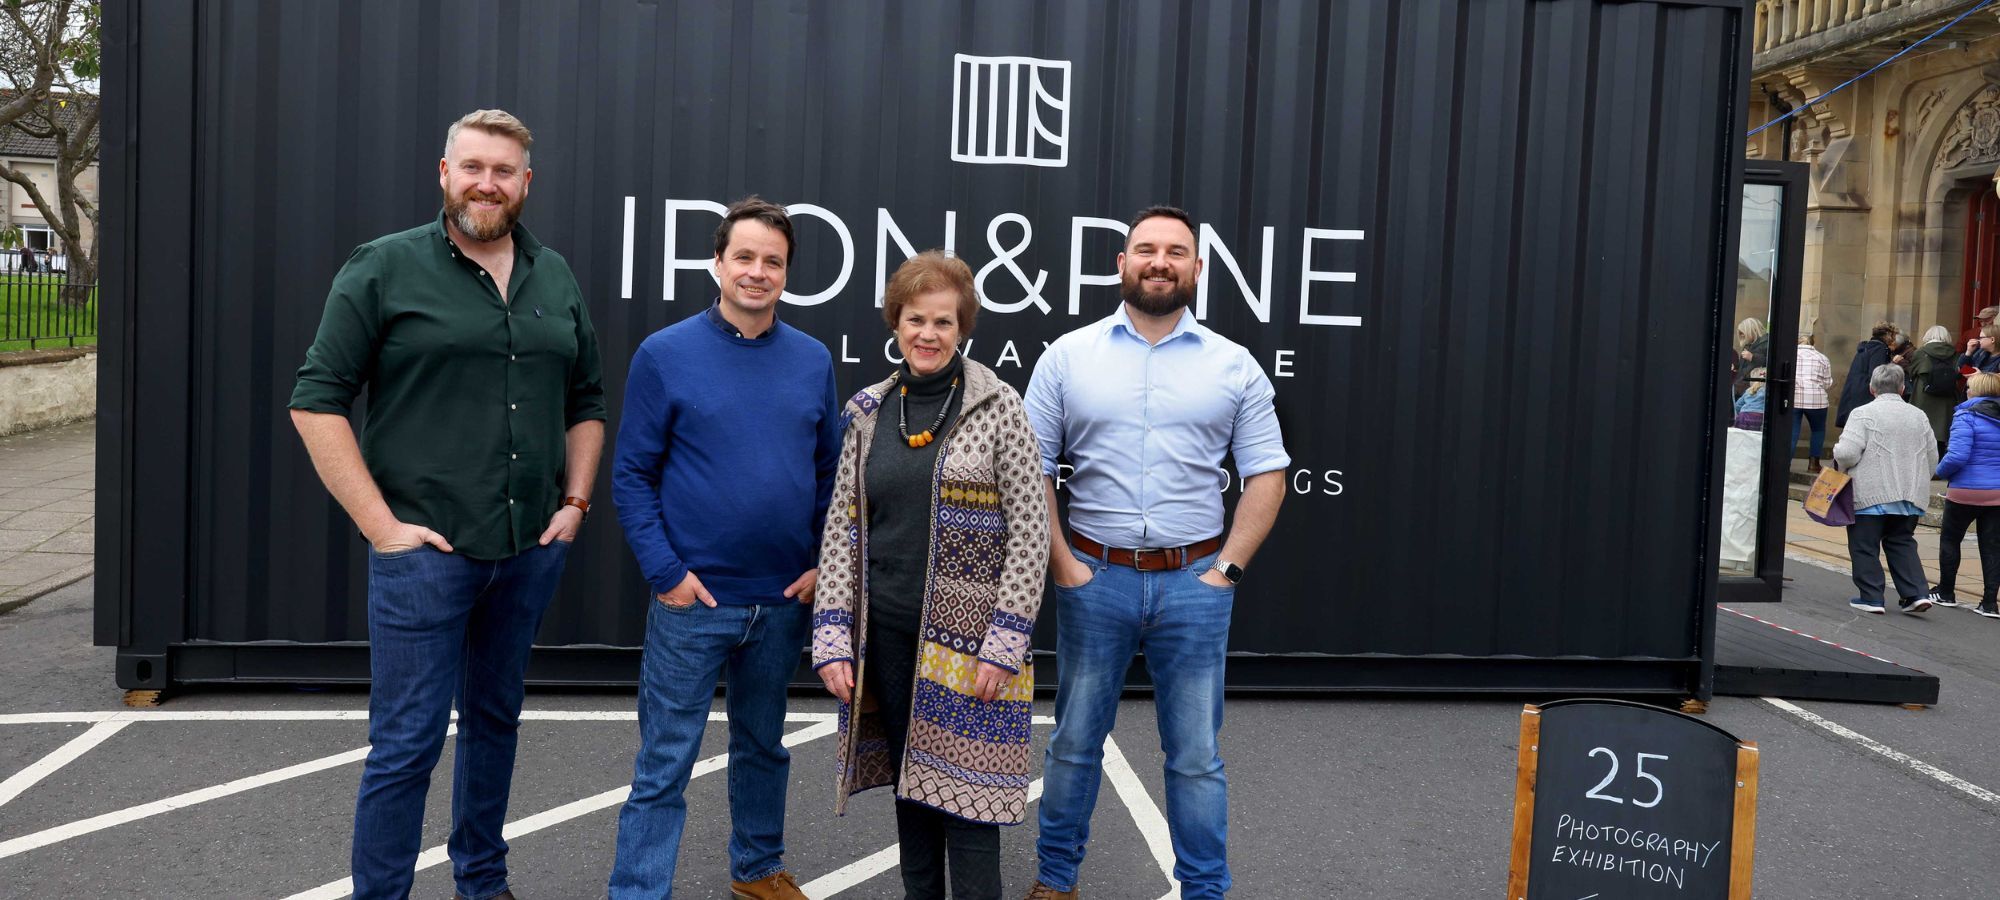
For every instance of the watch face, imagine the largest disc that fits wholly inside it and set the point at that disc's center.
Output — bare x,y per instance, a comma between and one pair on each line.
1231,571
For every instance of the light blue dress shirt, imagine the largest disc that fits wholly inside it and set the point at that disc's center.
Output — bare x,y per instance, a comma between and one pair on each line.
1146,427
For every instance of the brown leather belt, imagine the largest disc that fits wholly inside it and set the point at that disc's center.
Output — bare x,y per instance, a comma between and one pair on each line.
1149,560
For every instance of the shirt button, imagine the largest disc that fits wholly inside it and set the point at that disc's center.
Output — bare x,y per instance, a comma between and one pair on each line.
510,501
510,357
512,406
513,456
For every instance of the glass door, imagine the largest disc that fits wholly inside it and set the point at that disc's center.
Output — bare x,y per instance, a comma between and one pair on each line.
1758,361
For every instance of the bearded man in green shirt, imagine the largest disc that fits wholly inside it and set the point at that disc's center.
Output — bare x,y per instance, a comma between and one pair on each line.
473,472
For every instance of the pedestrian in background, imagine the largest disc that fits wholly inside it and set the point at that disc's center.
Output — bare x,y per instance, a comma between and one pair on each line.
1935,389
1868,355
1888,449
1972,466
1753,351
1815,376
1976,356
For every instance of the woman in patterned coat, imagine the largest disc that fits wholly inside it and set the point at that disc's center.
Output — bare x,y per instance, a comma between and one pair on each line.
930,577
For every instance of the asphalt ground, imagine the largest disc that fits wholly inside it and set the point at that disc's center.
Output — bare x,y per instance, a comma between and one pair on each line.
1378,797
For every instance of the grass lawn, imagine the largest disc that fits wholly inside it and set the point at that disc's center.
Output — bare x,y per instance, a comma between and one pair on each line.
30,307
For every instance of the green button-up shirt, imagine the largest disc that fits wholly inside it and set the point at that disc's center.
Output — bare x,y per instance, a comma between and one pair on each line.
471,395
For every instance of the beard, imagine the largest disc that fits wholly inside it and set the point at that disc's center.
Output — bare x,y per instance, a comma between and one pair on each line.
483,227
1132,289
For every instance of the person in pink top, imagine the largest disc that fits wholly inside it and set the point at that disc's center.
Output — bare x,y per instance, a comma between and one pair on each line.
1815,376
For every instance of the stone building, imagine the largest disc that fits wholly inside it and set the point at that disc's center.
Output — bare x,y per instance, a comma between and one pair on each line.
1903,220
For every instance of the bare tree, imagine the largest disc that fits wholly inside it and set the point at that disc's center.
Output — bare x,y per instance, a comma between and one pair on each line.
49,56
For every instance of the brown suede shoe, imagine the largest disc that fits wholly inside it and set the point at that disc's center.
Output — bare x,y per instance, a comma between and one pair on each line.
1044,892
775,886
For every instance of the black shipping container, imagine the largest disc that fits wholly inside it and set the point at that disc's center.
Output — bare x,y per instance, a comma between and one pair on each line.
1484,248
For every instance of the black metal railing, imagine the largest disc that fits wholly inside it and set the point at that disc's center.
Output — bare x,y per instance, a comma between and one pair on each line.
46,309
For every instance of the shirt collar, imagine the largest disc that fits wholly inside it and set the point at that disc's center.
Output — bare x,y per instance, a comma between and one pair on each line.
1185,325
728,328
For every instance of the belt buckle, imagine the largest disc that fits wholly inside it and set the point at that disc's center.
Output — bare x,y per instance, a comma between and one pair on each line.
1164,554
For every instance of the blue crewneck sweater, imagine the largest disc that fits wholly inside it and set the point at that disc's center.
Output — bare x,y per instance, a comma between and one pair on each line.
725,458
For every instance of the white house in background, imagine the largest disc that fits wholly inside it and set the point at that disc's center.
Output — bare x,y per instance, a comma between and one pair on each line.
37,157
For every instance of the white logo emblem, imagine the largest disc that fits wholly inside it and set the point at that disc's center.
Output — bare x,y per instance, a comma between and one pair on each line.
1003,107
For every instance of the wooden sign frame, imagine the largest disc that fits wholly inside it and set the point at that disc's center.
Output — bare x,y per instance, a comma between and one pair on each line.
1743,832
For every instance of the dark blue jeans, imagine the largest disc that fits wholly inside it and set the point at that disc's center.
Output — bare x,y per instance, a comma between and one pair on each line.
756,648
1815,418
1182,627
444,627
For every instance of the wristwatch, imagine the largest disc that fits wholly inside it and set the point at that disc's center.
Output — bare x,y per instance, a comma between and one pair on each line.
1229,570
580,504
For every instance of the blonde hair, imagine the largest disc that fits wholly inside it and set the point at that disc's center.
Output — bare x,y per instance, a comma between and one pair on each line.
1747,332
497,122
1984,384
1756,386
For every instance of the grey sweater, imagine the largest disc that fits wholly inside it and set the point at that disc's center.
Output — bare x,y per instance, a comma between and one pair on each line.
1889,451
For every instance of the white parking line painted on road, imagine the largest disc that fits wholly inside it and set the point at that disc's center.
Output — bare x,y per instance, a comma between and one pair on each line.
327,715
1919,765
854,873
63,755
1145,814
180,801
333,890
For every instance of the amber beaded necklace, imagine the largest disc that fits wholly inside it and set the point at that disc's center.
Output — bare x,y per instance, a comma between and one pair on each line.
927,435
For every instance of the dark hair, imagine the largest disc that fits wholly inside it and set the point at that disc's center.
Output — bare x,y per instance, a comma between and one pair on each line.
755,207
1173,213
929,271
1881,331
1160,212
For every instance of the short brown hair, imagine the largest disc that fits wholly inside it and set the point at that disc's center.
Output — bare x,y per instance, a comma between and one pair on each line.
1882,331
931,270
497,122
1984,384
755,207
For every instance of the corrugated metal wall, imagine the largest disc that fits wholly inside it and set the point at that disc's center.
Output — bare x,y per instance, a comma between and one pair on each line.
1508,456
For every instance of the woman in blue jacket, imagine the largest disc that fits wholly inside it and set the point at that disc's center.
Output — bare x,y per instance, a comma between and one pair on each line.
1972,467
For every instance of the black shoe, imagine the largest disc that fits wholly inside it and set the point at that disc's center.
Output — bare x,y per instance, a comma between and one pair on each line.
1914,605
1944,598
1989,609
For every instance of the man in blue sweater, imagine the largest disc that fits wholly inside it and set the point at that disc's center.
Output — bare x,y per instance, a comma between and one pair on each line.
723,471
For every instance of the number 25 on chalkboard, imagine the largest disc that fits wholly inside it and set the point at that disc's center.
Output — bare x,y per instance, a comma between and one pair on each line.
1591,811
1659,790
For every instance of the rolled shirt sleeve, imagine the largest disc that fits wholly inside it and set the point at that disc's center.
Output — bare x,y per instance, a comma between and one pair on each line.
1256,443
1044,403
343,352
585,398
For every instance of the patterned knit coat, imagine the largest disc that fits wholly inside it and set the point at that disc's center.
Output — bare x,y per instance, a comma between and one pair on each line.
988,549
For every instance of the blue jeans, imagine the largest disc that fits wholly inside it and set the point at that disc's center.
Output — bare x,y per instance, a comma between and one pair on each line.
1815,418
444,627
757,648
1182,626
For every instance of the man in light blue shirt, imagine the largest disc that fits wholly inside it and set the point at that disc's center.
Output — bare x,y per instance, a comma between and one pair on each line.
1145,403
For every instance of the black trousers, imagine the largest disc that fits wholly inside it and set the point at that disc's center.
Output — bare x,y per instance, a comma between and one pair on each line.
1868,537
928,836
1957,516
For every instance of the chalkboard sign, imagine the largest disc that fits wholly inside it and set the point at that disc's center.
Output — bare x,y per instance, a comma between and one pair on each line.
1627,801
